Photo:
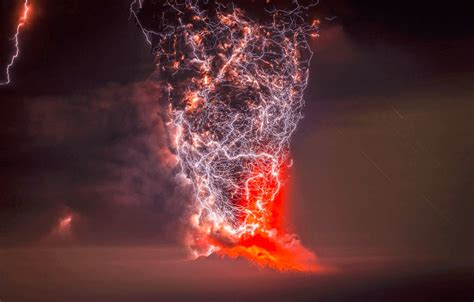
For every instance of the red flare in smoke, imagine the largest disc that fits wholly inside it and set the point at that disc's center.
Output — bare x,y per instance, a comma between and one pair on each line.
266,243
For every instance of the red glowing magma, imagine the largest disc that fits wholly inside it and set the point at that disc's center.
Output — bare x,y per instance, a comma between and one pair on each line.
269,244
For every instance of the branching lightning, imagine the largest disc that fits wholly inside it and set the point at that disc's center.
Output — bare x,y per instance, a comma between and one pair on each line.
16,38
235,88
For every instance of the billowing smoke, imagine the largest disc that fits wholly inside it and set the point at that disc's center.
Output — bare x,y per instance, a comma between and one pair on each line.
97,169
235,89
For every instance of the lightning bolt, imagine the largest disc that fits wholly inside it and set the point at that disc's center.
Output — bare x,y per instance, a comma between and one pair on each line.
235,90
21,23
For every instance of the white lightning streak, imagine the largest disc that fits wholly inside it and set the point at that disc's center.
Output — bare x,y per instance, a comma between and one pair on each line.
236,94
16,38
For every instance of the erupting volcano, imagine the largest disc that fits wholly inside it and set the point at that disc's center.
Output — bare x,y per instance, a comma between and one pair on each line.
235,87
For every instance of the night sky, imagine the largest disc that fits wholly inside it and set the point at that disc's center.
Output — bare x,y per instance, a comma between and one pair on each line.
381,188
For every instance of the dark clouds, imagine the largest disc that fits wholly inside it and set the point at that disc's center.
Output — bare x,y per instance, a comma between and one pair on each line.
103,157
383,158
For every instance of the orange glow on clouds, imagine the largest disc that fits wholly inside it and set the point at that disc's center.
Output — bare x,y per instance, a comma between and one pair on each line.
65,223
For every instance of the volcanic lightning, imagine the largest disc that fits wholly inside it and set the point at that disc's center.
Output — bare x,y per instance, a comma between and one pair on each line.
16,38
235,88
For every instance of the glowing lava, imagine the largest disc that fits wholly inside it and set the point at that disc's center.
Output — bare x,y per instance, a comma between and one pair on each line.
235,90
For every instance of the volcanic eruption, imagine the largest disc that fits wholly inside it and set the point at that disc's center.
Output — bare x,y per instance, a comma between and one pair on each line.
235,94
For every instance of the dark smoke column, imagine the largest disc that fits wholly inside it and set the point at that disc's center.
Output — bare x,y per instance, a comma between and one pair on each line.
235,89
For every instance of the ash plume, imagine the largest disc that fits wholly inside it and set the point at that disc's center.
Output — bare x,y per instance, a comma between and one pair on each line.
235,95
